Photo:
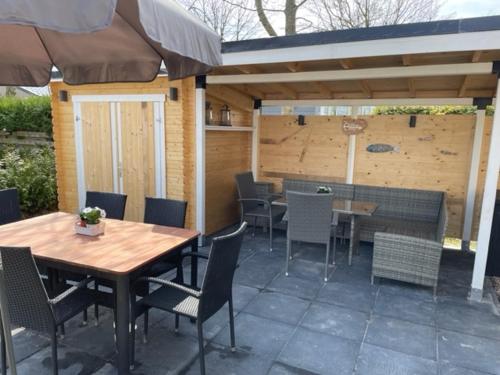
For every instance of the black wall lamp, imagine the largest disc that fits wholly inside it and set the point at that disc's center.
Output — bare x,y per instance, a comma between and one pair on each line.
63,96
173,94
301,120
413,121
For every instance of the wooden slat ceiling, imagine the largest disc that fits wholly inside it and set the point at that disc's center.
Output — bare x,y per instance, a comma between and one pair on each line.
421,87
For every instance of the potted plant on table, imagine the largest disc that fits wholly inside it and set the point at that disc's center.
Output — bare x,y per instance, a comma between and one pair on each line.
324,190
90,223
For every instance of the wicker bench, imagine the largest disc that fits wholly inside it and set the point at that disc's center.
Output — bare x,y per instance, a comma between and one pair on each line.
407,230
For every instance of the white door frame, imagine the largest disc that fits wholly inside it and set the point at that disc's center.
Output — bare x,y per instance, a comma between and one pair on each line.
158,101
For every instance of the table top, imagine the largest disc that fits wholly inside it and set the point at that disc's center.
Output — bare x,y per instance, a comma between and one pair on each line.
343,206
124,247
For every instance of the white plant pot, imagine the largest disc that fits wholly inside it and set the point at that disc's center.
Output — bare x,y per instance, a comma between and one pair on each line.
91,229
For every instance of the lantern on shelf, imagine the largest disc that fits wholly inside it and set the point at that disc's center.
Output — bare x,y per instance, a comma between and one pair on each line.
225,115
209,114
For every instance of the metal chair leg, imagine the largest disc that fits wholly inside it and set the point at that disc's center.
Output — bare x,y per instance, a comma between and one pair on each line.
270,234
4,351
254,225
176,323
96,306
288,252
327,259
63,331
231,324
201,347
85,317
334,245
53,340
146,327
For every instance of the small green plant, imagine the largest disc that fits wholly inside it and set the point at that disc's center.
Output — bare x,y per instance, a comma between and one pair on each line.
32,172
429,110
92,215
324,190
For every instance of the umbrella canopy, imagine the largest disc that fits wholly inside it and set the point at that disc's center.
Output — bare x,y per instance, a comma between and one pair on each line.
93,41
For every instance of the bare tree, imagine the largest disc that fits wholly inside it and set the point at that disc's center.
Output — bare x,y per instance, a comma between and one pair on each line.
347,14
230,21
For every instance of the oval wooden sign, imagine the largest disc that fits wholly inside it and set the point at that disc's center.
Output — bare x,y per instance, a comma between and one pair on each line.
353,126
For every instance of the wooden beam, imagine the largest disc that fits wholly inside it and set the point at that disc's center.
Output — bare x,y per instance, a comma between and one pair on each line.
476,56
365,87
463,87
345,63
411,87
231,97
323,89
294,67
286,90
251,90
406,60
438,70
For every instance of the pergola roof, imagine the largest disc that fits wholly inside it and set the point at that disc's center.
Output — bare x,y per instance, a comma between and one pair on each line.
441,59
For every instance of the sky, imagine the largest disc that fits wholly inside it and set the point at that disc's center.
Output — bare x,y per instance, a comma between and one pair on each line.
470,8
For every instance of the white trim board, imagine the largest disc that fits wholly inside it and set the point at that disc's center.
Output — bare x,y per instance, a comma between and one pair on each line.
200,125
439,70
119,98
482,40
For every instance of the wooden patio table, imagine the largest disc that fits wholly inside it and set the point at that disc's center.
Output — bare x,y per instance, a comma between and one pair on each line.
120,255
354,209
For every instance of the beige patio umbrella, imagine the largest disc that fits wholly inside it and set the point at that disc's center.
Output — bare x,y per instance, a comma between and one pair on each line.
93,41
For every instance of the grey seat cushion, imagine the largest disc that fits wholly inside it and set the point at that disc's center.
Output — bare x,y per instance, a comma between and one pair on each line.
415,228
174,300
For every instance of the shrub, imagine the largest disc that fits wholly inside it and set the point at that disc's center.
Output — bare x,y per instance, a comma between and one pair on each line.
32,172
28,114
429,110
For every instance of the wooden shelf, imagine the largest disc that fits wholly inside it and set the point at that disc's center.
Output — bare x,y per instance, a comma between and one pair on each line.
228,128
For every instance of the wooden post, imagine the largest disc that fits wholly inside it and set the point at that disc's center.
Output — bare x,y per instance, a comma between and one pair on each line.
489,196
473,174
200,122
257,105
351,151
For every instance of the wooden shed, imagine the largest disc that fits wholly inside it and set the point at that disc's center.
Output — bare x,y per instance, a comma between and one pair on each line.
136,139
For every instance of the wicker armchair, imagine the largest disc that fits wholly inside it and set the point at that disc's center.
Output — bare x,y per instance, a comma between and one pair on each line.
201,304
113,203
255,206
309,220
409,258
28,303
9,206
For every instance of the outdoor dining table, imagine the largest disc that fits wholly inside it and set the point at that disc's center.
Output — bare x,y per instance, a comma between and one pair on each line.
120,255
354,209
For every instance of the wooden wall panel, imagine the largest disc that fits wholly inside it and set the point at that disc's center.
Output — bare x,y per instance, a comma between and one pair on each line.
179,138
315,151
435,155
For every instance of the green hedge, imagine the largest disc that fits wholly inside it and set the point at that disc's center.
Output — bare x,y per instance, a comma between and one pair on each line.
28,114
32,171
429,110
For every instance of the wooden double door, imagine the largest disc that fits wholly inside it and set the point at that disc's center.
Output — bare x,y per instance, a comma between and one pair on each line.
120,147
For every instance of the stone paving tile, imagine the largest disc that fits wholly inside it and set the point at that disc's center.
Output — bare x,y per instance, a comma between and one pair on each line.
256,335
472,319
220,360
277,306
448,369
242,295
402,336
307,270
27,342
258,270
405,308
352,296
374,360
296,286
415,292
284,369
320,353
335,320
471,352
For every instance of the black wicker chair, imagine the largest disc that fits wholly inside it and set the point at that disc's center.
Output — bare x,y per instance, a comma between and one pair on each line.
255,206
113,203
28,302
199,305
10,210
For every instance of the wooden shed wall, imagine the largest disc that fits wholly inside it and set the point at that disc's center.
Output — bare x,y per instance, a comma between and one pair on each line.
435,155
179,138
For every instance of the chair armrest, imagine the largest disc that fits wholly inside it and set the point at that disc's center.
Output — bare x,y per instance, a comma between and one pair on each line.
265,202
193,254
81,285
170,284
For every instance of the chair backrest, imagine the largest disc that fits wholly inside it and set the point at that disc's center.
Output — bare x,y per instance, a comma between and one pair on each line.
309,216
112,203
168,212
10,210
218,281
246,189
26,295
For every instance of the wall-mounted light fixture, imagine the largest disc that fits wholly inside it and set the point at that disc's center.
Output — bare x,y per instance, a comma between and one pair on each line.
301,120
173,94
63,96
413,121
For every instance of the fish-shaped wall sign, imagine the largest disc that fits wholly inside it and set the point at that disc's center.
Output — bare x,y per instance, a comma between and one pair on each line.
382,147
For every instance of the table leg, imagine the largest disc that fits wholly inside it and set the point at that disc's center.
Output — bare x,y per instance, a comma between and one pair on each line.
123,323
194,264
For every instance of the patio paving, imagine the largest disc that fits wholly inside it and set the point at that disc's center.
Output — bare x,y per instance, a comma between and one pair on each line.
300,325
